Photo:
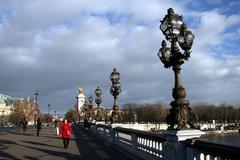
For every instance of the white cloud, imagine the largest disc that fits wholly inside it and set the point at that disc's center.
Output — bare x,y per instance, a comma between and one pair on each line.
212,27
56,47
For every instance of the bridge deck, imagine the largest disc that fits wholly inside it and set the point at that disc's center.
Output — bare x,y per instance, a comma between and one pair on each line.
83,146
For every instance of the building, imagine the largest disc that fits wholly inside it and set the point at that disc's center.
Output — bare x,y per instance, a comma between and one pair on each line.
6,105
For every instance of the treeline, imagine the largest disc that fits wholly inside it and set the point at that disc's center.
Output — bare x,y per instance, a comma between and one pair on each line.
220,113
141,113
156,113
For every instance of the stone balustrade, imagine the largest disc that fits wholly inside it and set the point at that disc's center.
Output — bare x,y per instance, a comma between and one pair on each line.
170,146
205,150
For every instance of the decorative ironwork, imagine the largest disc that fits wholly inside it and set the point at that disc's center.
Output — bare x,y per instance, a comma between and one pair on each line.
175,31
115,91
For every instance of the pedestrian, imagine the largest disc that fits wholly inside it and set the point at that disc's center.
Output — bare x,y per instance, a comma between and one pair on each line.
39,126
57,124
65,132
24,125
85,122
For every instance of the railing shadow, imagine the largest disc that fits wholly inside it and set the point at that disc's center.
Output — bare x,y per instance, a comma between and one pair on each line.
41,144
91,148
4,145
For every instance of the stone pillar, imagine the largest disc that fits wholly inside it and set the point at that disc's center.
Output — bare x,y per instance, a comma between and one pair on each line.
80,100
173,148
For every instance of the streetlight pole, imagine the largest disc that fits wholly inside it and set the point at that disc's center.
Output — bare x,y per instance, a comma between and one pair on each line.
36,105
98,101
89,113
176,32
36,98
115,91
49,106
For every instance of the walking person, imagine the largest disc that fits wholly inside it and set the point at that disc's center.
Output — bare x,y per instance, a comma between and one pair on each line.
57,124
24,125
39,126
65,132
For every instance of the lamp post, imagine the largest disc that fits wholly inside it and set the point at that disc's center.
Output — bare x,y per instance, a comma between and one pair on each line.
115,91
36,96
36,104
49,106
85,105
78,111
176,32
90,113
98,101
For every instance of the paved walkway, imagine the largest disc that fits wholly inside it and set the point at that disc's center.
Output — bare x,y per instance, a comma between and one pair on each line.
83,146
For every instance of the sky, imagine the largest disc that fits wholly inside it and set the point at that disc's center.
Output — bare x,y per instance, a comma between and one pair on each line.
59,45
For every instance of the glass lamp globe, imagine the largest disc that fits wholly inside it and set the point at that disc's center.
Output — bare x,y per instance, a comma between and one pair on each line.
171,24
98,92
115,76
164,53
186,38
90,99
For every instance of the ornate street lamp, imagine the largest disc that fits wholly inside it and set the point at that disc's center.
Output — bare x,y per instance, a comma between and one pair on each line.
98,101
84,109
90,113
176,32
49,106
115,91
36,95
90,100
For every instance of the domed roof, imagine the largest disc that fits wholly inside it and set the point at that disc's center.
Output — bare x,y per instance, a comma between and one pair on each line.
5,99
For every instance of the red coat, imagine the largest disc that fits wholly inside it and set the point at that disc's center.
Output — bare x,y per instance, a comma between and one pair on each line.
63,130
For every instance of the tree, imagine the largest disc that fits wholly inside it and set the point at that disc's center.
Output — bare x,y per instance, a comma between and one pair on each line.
47,118
72,115
16,117
27,107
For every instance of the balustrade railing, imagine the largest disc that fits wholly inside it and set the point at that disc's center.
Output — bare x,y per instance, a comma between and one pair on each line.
151,146
147,145
204,150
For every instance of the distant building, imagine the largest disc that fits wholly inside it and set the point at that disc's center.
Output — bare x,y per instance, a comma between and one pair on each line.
6,105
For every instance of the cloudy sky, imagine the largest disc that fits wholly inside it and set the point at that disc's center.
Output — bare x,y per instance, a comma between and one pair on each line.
56,46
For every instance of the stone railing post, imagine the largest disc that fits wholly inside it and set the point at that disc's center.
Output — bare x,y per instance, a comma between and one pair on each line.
173,148
96,129
113,135
134,141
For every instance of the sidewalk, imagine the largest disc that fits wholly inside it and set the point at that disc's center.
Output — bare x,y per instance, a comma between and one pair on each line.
29,147
15,146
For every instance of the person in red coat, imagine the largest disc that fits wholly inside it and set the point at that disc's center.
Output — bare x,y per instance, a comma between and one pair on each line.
65,132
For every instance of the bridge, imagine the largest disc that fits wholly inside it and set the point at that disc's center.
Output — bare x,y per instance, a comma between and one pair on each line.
105,142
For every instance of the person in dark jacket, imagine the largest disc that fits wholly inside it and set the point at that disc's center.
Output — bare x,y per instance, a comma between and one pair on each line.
24,125
65,132
39,126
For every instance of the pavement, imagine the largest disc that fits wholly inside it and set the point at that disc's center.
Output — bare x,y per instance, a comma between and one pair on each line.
84,145
5,130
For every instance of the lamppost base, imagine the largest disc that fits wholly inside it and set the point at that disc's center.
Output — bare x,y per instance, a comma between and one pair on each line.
181,115
116,117
98,117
